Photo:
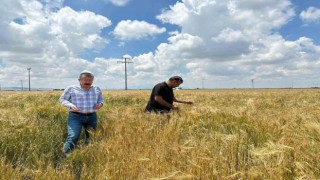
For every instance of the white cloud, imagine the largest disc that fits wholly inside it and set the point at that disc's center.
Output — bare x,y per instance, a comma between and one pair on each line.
47,38
312,14
146,63
219,43
234,41
129,30
229,35
118,2
178,14
180,47
208,18
64,33
227,28
79,30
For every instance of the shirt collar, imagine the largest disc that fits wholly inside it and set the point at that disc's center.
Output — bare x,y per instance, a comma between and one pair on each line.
79,87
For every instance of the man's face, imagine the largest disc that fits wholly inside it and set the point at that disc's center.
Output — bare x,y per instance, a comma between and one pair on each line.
86,81
176,84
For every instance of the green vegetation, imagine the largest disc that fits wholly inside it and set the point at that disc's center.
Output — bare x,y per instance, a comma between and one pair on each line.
232,134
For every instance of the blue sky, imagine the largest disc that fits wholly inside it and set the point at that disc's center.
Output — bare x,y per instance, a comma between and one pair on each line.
210,43
297,28
141,10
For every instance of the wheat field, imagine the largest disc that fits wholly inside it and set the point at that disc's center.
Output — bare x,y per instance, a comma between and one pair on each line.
226,134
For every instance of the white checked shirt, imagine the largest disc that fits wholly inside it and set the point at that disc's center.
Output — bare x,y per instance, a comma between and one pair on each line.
83,99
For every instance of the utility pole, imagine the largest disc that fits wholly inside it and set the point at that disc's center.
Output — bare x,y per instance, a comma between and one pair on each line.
125,57
252,81
203,83
29,76
21,85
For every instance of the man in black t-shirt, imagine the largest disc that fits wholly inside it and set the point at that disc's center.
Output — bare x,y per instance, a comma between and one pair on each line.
162,97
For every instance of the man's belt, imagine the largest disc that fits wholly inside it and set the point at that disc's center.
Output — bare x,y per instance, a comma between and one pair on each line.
86,114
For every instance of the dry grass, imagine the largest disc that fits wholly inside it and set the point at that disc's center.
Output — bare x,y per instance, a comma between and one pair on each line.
227,134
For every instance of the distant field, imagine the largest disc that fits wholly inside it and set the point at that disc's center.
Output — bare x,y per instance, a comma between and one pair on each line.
226,134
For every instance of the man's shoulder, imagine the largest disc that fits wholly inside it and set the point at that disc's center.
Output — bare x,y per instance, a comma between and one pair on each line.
71,87
96,88
160,84
161,88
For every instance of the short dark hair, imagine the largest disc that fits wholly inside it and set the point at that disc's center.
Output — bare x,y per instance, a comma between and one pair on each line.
176,78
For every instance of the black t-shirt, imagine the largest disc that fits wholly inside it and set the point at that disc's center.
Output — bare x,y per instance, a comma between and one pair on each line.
163,90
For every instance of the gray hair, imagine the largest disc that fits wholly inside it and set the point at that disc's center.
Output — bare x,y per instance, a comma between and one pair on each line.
86,73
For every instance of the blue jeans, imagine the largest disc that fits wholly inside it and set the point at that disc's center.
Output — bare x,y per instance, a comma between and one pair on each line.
75,123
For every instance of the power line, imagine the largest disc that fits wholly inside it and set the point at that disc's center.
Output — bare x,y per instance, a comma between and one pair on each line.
125,57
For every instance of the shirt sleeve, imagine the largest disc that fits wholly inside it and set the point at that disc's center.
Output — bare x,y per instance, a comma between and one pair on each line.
65,98
100,97
158,90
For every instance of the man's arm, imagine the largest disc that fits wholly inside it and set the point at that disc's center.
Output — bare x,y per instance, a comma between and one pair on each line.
100,99
65,100
160,100
182,101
